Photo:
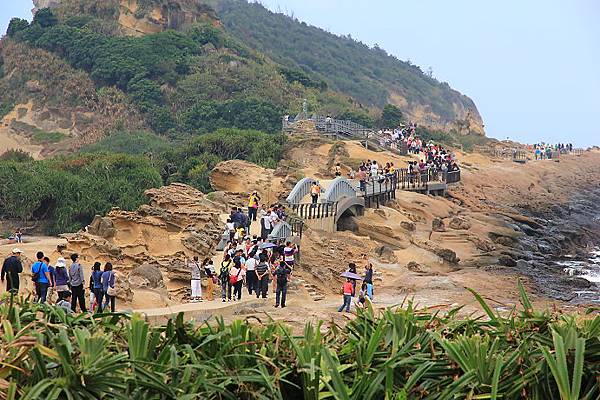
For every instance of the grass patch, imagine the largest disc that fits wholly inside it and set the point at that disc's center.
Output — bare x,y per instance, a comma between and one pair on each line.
43,137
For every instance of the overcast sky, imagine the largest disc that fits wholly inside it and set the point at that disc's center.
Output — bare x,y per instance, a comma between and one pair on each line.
532,67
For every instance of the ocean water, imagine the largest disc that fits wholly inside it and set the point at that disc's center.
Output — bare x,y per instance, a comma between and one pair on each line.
587,268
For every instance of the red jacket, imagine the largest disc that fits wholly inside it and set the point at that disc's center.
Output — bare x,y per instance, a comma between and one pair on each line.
348,288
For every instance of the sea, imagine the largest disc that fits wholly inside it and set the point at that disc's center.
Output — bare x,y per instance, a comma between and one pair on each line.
587,268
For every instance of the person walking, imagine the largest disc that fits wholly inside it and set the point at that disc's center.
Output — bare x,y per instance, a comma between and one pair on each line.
236,277
196,281
61,278
347,290
209,271
96,286
352,269
282,274
77,284
41,277
251,279
11,268
262,276
253,204
226,265
266,225
315,191
369,280
109,292
52,285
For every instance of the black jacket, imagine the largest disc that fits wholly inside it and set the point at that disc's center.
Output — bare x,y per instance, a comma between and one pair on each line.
11,269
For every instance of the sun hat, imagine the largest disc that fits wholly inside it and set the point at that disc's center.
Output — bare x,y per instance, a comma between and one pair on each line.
60,262
16,250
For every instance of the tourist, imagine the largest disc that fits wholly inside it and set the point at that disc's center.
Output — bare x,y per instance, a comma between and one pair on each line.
196,280
19,236
41,278
52,284
230,227
236,277
352,269
315,191
11,268
347,291
281,274
64,302
253,205
96,287
362,295
289,253
109,292
209,271
338,170
361,175
262,276
226,265
61,277
368,280
251,262
77,281
374,169
266,225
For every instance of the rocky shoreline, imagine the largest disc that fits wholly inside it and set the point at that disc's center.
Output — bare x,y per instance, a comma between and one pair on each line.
569,229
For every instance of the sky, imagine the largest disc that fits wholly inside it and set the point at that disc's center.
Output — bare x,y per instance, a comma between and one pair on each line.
532,67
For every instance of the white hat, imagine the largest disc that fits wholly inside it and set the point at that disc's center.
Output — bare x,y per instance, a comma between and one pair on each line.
60,262
16,250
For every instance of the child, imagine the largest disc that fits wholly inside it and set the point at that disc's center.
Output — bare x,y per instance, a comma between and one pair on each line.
362,295
347,289
64,302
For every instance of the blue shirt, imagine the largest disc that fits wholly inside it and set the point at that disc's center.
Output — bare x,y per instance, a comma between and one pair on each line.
108,279
97,279
40,268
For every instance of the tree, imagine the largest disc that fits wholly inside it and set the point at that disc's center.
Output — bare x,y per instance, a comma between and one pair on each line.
391,116
16,25
45,18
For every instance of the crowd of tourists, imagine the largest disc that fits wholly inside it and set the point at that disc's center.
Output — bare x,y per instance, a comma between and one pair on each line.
248,262
543,151
61,285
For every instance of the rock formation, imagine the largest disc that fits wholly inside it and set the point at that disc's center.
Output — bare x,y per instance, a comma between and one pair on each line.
155,240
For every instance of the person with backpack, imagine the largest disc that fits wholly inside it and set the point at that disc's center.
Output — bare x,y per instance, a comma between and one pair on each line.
11,268
262,276
226,266
282,274
236,277
41,277
109,292
77,284
96,286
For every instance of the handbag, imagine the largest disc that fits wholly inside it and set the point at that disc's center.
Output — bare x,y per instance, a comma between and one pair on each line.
111,291
234,278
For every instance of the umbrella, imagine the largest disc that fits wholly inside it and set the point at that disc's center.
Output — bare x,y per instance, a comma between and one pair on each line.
351,275
268,246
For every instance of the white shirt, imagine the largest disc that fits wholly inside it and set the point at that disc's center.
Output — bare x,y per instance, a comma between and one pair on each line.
251,264
267,221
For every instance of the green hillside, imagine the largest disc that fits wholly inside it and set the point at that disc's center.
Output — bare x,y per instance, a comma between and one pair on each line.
369,75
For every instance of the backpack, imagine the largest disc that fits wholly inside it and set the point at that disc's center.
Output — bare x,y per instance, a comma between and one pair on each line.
224,273
35,276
